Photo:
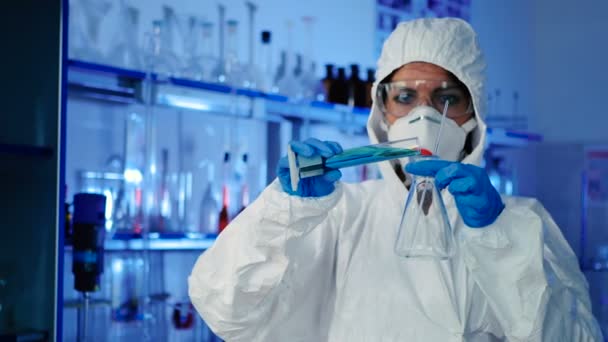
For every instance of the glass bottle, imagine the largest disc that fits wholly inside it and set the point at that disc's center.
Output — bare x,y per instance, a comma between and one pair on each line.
161,60
125,51
327,82
369,83
86,17
265,80
192,68
356,88
281,73
208,56
338,93
224,216
244,187
232,67
209,209
162,220
308,80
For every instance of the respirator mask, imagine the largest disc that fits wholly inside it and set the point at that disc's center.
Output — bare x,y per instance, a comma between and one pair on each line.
418,106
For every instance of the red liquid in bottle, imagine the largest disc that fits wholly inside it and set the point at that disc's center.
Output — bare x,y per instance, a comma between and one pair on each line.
224,218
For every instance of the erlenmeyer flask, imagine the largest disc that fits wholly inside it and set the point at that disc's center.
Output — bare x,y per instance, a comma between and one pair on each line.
425,229
208,59
125,51
160,59
85,29
191,68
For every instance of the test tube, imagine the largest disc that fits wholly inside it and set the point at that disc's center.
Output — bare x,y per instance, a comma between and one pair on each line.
303,167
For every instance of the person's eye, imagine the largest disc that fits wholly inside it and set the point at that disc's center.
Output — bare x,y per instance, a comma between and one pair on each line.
405,98
451,98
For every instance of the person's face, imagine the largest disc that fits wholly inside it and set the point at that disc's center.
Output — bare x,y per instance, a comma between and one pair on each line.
429,93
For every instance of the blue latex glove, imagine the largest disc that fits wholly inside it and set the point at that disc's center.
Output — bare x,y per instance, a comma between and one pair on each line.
477,201
316,186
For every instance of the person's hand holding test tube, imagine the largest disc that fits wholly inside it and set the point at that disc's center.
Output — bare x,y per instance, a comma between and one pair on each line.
317,185
308,161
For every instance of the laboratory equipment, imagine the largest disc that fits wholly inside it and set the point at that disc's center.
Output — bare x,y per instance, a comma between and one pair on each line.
264,79
369,83
87,255
425,230
244,187
234,74
224,216
280,73
125,50
191,61
326,82
308,79
209,209
86,17
161,61
161,220
250,68
302,167
287,77
356,88
208,58
219,74
338,92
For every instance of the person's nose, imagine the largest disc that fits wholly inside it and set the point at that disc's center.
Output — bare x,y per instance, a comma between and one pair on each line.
425,100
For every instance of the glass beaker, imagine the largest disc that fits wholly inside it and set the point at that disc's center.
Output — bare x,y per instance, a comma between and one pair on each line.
425,229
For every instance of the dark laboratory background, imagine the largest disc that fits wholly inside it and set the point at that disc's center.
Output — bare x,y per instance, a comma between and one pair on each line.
133,131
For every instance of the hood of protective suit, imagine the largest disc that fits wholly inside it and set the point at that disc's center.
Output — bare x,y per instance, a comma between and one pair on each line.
447,42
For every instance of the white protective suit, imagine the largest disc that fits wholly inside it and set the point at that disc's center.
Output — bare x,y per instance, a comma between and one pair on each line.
294,269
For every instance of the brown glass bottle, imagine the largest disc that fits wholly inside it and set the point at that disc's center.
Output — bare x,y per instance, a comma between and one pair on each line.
327,80
356,88
369,83
338,92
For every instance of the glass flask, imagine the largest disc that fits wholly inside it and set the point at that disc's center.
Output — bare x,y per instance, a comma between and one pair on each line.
424,230
160,57
233,71
191,62
208,53
86,17
210,203
308,79
125,51
127,313
264,79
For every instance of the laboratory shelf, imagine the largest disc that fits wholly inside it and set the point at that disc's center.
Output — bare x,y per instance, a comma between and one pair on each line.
26,150
110,83
123,85
593,270
511,138
158,242
183,244
105,69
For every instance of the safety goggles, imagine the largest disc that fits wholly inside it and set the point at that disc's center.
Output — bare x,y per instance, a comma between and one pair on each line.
400,97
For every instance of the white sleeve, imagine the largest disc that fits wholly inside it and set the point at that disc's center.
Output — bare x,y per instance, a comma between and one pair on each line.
270,270
530,276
